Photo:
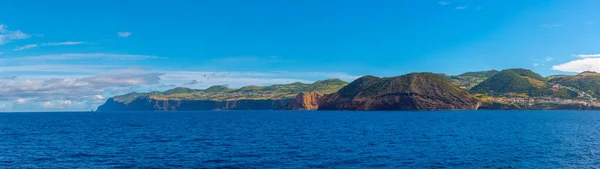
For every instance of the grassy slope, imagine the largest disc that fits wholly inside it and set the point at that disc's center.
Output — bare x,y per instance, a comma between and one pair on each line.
284,91
588,82
470,79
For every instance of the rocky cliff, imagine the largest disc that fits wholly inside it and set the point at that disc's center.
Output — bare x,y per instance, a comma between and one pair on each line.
415,91
150,104
304,101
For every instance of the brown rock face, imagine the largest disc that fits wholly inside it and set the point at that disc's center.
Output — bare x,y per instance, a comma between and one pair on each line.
304,101
415,91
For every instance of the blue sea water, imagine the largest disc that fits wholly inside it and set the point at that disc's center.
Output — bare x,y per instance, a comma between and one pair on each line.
301,139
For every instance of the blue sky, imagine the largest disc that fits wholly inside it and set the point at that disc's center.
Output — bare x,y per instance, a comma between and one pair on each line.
101,48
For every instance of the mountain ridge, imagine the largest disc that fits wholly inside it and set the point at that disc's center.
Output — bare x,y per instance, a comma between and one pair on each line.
506,89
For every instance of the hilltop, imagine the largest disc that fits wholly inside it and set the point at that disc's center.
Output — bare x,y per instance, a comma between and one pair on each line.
414,91
221,93
518,81
469,79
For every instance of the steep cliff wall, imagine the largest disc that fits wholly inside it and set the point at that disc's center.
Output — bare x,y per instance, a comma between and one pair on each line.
149,104
304,101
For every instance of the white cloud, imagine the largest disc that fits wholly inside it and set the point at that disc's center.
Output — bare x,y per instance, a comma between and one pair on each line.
590,22
548,59
587,55
461,7
124,34
537,64
70,94
580,65
72,89
80,56
443,3
123,80
551,25
42,70
62,43
7,36
21,100
30,46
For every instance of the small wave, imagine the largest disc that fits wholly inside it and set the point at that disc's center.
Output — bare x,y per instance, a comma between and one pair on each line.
216,161
81,155
43,159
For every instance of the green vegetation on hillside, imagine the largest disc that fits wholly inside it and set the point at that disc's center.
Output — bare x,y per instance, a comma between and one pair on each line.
469,79
588,82
514,81
414,91
517,83
280,91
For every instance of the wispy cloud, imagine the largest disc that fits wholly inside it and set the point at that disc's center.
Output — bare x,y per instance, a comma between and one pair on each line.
123,34
590,22
63,43
461,7
46,69
30,46
81,56
542,62
551,25
7,36
587,55
444,3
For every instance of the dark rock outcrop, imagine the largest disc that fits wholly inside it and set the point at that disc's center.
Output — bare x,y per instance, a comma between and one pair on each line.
415,91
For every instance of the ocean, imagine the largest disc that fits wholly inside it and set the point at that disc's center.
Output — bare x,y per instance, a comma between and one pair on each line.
301,139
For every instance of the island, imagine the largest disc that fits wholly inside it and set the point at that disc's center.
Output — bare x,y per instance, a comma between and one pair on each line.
510,89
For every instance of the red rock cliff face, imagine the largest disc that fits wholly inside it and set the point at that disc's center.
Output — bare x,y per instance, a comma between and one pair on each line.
304,101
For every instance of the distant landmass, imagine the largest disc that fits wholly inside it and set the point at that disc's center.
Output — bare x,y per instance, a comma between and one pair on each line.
219,97
510,89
